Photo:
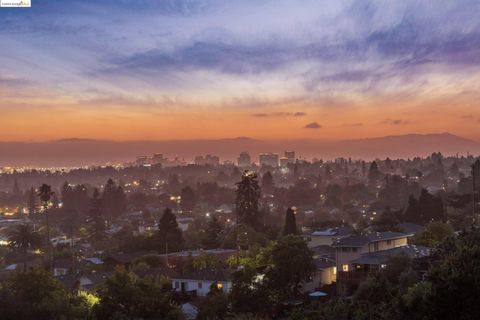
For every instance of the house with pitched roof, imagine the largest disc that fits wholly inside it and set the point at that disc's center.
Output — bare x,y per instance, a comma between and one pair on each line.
198,283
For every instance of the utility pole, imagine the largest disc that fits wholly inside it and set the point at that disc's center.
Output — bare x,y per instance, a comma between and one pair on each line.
475,186
166,252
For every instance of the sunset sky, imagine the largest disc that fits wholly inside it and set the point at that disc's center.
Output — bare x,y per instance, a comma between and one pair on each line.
158,70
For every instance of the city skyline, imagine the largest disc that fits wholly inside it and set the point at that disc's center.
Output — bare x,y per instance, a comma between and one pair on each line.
170,70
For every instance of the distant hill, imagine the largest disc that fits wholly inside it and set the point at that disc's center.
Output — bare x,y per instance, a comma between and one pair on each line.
74,151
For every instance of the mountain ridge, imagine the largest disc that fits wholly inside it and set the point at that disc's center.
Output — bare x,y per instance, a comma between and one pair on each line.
80,151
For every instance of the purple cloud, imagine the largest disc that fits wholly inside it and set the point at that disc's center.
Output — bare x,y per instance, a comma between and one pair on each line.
312,125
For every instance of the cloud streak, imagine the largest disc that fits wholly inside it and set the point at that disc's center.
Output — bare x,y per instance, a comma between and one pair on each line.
312,125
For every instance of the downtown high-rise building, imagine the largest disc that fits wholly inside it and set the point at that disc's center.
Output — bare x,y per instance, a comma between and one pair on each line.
268,159
244,160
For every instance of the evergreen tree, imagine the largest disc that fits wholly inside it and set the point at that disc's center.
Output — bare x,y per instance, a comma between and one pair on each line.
247,199
290,223
430,207
114,200
374,173
211,239
412,213
169,234
45,194
96,218
188,199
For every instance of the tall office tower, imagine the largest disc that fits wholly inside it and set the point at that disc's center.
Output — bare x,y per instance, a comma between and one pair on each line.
268,159
244,160
290,155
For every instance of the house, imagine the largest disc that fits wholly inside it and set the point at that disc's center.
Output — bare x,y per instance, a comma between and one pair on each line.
325,274
62,240
184,223
199,282
326,237
62,267
376,260
350,251
86,282
352,247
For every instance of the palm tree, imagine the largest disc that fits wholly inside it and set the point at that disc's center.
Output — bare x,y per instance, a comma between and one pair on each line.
23,238
45,193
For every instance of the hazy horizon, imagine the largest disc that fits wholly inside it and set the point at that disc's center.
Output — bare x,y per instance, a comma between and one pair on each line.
80,152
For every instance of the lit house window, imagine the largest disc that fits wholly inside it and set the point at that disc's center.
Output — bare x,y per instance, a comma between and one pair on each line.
345,268
219,286
334,270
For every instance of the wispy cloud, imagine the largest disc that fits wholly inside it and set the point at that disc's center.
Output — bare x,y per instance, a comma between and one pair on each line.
312,125
396,122
279,114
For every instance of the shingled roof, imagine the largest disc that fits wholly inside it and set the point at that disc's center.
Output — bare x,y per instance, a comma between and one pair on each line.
208,275
361,240
380,257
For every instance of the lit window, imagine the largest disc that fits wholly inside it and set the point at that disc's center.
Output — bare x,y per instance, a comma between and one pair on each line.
334,270
219,286
345,268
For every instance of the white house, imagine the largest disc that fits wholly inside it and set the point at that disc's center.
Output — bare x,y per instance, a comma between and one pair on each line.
199,282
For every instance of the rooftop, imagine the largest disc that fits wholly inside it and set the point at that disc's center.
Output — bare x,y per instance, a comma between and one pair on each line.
208,274
361,240
381,257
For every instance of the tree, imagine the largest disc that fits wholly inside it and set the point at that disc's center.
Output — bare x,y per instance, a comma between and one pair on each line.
215,306
430,207
35,294
125,296
412,213
247,200
271,276
188,199
201,262
169,233
114,200
211,239
374,173
456,279
45,194
250,292
96,219
290,223
23,238
290,262
434,234
387,221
